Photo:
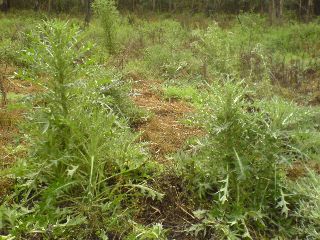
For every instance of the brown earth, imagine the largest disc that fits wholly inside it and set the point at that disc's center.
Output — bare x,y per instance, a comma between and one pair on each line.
166,134
164,131
174,212
300,169
9,120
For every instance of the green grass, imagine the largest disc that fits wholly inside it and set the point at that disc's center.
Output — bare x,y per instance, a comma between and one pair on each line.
187,93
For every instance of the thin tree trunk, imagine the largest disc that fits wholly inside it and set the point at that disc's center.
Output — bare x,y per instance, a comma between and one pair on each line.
154,5
5,5
37,6
3,90
279,11
261,7
192,6
271,11
49,5
300,9
88,11
310,9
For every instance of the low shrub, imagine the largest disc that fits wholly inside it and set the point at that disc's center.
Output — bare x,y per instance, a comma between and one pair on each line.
109,18
239,168
84,171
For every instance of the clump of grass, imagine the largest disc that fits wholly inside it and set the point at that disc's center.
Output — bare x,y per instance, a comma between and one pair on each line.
169,63
166,53
188,93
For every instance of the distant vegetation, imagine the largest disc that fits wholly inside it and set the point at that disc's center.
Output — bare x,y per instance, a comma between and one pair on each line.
83,170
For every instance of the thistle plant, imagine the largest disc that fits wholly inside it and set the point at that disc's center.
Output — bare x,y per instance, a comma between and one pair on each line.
109,18
240,164
84,165
54,53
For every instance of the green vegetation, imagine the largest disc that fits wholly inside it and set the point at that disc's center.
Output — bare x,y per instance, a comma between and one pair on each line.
83,164
109,17
241,164
89,161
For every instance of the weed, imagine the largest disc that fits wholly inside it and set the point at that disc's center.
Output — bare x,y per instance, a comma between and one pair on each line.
84,166
109,18
239,166
155,231
81,172
308,211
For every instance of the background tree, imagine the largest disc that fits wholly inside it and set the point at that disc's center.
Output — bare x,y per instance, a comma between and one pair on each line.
3,90
88,11
49,5
310,9
37,5
305,9
5,5
275,11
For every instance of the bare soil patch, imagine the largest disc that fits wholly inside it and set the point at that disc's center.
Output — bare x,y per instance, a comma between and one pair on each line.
166,134
174,212
9,120
164,131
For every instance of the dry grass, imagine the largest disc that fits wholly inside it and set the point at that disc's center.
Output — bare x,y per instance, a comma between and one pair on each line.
9,120
165,130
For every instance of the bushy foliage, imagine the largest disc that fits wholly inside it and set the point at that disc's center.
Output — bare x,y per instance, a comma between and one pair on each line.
83,164
215,48
109,19
308,212
12,39
294,39
166,53
239,166
170,63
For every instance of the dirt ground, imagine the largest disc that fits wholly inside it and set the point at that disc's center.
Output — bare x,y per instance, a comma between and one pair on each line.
165,131
9,119
166,134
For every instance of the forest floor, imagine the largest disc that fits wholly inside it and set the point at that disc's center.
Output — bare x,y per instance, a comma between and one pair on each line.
10,117
165,64
165,130
166,134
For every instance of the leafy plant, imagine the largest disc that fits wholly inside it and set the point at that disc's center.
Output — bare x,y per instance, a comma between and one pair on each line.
155,231
185,93
308,211
84,166
109,18
239,166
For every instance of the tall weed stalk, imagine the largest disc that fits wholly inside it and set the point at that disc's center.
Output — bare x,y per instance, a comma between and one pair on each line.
84,166
109,18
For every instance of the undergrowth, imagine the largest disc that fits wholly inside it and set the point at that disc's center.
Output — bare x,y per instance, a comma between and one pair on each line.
84,170
240,167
